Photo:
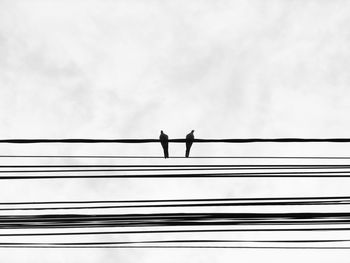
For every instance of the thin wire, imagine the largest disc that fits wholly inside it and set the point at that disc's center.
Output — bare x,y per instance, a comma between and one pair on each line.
176,231
326,203
186,247
183,169
185,176
220,204
233,166
311,198
173,157
177,241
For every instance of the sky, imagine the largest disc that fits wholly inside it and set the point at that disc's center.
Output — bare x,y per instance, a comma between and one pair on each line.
128,69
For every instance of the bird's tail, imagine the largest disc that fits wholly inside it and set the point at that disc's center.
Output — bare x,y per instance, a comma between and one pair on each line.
187,152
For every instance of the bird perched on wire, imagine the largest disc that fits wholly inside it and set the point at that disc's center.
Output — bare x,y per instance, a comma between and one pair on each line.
189,142
164,140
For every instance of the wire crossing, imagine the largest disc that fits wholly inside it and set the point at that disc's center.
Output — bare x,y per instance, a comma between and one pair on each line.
171,220
172,223
215,202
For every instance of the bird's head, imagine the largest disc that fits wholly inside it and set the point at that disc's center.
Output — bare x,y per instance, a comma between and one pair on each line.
192,131
161,131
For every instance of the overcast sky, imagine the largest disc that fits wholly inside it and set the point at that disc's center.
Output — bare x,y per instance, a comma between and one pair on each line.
130,68
127,69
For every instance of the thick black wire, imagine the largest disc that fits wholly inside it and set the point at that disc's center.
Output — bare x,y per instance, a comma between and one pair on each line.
185,247
174,157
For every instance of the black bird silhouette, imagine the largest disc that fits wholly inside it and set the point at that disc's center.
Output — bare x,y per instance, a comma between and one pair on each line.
189,142
164,140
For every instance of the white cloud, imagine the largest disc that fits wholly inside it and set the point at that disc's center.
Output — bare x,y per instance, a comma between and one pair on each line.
130,68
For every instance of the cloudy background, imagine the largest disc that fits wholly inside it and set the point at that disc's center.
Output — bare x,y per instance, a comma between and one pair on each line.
126,69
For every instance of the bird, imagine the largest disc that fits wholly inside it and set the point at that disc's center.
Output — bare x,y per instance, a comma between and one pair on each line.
164,140
189,142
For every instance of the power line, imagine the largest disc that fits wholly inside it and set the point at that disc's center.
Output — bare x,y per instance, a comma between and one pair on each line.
192,203
174,157
177,231
310,198
176,241
183,247
300,203
342,174
235,140
170,219
208,168
246,166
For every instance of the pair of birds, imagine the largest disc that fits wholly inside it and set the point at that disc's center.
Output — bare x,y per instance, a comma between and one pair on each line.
164,140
